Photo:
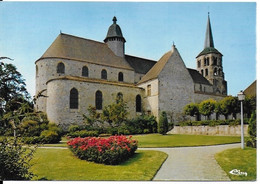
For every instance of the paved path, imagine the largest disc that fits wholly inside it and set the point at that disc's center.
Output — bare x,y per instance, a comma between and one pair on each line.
192,163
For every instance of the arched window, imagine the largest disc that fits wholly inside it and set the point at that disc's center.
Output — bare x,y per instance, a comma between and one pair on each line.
202,73
99,100
85,71
206,72
104,74
120,76
220,72
138,103
119,97
199,64
74,98
60,68
215,71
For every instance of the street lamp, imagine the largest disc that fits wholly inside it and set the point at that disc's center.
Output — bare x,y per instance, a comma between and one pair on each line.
241,97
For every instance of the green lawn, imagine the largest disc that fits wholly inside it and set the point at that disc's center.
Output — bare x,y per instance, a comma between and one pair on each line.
243,160
61,164
157,140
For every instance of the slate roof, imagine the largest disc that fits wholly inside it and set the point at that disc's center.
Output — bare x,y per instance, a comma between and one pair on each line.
114,31
75,48
209,50
197,77
157,68
140,65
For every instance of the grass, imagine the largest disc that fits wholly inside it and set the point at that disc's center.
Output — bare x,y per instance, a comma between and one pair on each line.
157,140
243,160
61,164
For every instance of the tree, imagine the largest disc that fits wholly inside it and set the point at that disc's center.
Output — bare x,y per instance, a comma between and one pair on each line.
191,110
229,105
252,131
249,105
116,113
207,107
163,123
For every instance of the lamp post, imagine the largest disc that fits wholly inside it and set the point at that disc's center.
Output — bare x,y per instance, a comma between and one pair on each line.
241,98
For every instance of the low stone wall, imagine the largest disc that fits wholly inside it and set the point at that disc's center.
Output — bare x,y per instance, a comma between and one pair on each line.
208,130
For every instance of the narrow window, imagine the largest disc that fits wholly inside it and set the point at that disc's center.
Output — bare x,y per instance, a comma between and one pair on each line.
104,74
149,90
202,73
74,98
206,72
207,61
60,68
120,76
119,97
99,100
215,71
199,64
85,71
220,72
138,103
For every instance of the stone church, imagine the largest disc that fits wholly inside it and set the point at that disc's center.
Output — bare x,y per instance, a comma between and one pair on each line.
75,73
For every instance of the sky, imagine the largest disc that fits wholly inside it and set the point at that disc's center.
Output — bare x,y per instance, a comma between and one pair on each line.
27,29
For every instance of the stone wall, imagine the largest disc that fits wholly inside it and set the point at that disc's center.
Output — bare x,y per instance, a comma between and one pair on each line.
58,93
224,130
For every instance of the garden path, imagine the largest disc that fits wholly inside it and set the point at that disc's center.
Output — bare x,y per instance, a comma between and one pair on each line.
192,163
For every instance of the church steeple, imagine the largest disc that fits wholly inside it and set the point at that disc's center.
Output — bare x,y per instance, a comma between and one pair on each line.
209,63
208,38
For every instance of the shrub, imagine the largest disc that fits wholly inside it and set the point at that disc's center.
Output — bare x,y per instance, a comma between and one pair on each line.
163,124
83,133
31,140
50,136
14,161
74,128
252,131
30,128
110,151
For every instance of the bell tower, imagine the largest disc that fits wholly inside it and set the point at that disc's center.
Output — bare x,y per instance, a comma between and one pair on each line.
115,39
209,63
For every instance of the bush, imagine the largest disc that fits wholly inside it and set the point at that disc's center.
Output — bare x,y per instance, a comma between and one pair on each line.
30,128
74,128
49,137
83,133
32,140
14,161
252,131
163,124
110,151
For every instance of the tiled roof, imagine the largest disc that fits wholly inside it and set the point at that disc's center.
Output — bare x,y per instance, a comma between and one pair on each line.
197,77
75,48
209,50
157,68
140,65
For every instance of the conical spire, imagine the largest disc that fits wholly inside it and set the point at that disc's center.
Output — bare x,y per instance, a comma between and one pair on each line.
208,38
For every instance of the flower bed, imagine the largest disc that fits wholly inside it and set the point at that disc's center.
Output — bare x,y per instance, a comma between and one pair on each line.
110,151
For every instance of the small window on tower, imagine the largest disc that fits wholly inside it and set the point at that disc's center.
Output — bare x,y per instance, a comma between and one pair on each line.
60,68
215,71
199,64
85,71
202,73
206,72
149,90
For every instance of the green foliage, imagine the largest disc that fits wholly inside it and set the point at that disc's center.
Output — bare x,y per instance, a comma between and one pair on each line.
74,128
93,116
14,160
249,105
191,109
252,131
210,123
163,123
50,136
83,133
207,107
229,105
116,113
